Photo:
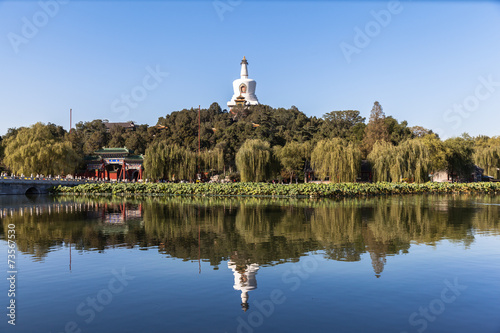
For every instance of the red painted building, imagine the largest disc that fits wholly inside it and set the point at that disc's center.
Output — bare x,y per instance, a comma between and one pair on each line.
114,164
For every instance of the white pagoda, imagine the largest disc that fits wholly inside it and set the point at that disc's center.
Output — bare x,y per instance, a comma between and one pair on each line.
244,88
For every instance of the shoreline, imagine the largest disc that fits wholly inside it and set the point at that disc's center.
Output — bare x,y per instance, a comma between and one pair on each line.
266,190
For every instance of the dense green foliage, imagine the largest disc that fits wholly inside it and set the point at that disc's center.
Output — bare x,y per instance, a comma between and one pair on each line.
381,159
293,190
437,151
289,136
173,162
294,158
40,149
376,130
347,125
459,156
255,161
487,155
410,161
336,159
87,137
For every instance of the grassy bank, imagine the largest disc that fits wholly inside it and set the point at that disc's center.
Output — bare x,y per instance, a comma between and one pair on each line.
263,189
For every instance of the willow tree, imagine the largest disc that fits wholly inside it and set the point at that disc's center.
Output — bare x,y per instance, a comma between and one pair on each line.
381,159
255,161
487,156
40,149
413,160
173,162
170,162
154,161
437,152
211,160
336,159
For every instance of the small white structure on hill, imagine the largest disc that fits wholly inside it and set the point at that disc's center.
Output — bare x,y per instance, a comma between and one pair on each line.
244,88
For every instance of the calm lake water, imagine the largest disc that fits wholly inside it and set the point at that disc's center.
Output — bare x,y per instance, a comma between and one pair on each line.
388,264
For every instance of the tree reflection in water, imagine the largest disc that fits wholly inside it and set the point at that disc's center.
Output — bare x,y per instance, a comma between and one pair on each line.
257,232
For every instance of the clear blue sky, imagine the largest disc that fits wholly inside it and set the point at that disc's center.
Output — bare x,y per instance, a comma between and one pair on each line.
432,63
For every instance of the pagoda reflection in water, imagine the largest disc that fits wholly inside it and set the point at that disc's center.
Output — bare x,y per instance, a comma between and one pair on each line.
244,277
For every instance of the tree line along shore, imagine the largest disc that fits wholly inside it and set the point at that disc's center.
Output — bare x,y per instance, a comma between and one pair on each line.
258,144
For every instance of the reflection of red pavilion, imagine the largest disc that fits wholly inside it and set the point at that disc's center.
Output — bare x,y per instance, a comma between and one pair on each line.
114,164
116,214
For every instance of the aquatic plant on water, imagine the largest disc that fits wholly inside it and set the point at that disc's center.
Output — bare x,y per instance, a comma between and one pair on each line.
267,189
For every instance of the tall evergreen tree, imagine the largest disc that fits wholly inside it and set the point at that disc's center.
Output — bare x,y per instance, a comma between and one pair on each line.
376,130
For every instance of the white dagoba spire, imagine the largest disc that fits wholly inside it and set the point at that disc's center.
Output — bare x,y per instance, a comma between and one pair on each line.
244,88
244,69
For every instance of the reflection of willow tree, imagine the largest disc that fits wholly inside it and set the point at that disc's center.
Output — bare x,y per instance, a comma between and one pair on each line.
423,220
346,231
487,219
277,233
265,231
264,234
338,229
176,229
38,234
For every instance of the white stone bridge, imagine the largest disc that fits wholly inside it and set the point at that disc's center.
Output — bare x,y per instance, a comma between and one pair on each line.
28,185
